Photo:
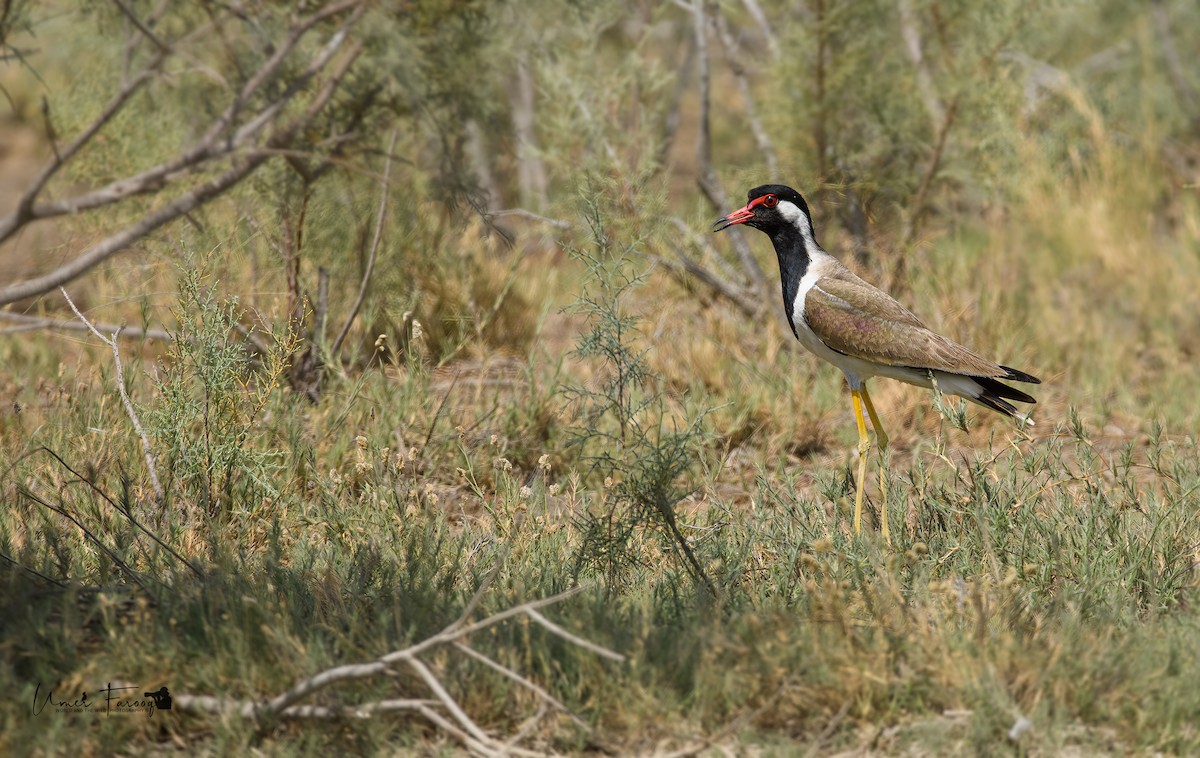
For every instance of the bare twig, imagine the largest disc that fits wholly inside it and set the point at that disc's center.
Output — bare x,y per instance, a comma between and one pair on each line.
455,709
146,32
123,509
151,467
531,172
385,189
671,122
321,311
90,537
734,57
30,323
685,266
920,201
245,147
554,222
1185,90
458,724
514,676
721,285
912,44
820,71
707,179
481,164
764,26
209,704
573,639
25,211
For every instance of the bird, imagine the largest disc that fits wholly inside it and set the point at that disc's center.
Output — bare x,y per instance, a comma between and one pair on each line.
864,331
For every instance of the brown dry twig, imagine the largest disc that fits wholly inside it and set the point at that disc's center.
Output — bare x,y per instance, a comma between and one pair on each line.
385,189
151,467
707,179
733,57
26,323
442,709
686,266
241,138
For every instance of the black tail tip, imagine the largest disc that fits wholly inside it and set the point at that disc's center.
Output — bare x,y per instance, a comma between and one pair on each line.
1019,376
1005,407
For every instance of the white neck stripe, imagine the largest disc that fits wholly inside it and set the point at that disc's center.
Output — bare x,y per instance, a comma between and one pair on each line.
799,219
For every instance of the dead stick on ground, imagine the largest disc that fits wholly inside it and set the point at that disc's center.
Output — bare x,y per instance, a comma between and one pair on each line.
457,724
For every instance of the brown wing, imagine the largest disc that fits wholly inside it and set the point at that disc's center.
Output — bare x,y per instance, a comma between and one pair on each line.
854,318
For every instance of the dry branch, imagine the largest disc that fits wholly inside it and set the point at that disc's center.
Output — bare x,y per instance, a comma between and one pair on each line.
1185,90
26,323
242,135
457,723
385,189
686,266
921,200
734,56
764,26
671,122
709,184
532,181
912,44
554,222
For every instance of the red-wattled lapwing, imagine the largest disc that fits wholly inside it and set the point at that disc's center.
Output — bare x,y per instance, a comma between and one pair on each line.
862,330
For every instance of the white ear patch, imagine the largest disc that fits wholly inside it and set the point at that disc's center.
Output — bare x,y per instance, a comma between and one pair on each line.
798,219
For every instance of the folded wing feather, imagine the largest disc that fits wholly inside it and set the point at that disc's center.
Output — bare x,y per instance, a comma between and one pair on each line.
854,318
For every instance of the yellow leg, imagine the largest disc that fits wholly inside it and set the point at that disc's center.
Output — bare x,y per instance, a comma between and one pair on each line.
882,438
864,447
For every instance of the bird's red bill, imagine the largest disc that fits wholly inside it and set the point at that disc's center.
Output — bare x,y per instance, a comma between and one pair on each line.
740,216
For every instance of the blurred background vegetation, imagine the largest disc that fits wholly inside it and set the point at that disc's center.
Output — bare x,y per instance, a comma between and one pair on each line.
418,296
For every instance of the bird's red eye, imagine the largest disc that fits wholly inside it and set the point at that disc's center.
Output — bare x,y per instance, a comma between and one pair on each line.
770,201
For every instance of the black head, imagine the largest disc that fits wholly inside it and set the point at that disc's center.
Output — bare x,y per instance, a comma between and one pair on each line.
771,208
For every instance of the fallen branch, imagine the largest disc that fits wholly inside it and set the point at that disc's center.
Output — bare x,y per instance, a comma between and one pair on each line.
442,710
685,266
